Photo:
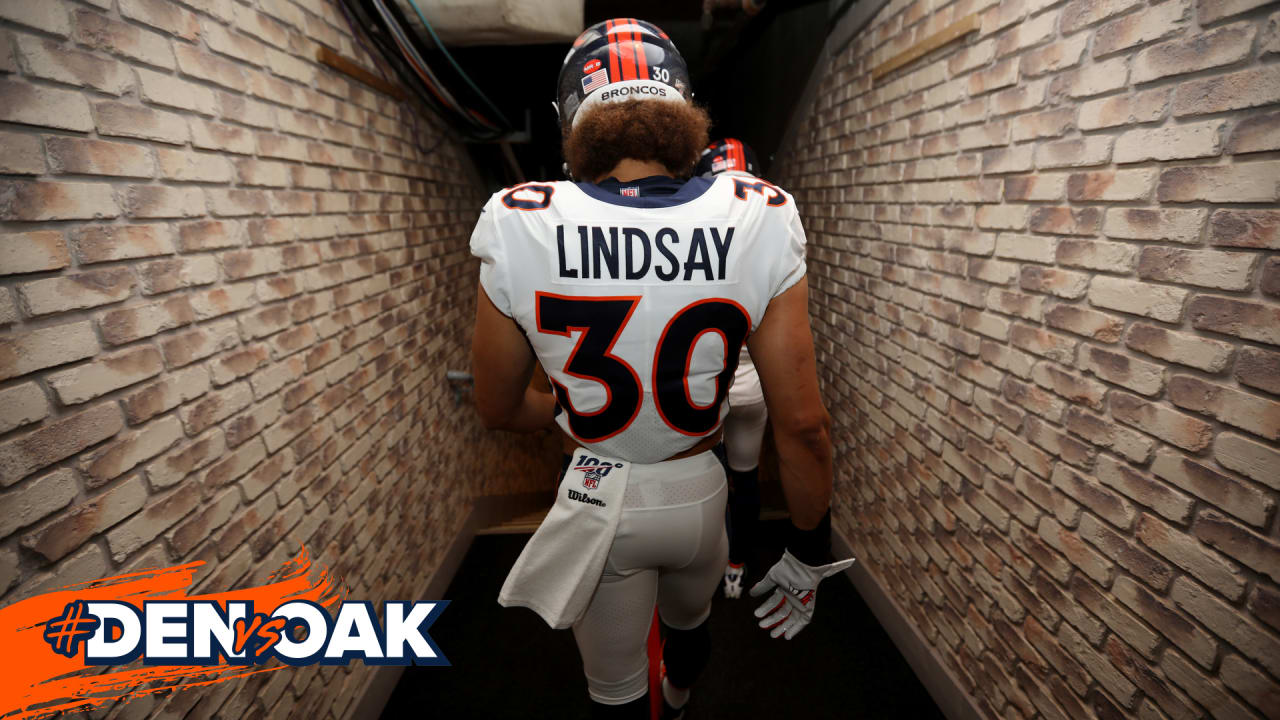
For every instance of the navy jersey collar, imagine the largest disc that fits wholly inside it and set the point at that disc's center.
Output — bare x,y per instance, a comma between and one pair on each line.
656,191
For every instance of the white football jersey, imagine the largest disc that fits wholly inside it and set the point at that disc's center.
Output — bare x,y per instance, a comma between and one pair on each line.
745,389
637,304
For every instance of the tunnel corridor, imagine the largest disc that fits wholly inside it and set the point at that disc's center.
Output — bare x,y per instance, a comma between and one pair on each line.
1043,257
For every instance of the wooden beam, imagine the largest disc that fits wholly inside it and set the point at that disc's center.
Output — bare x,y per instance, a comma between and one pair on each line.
954,31
351,68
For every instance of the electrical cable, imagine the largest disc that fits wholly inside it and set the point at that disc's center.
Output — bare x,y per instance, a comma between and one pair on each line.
392,71
445,51
355,35
388,31
446,127
471,91
415,60
391,55
437,88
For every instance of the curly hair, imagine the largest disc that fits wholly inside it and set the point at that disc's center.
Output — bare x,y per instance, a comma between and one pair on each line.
672,134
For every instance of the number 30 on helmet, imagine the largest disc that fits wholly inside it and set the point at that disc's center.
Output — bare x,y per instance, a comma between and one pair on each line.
617,60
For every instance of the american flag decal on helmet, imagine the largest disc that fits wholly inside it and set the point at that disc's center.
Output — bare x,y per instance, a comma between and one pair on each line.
597,79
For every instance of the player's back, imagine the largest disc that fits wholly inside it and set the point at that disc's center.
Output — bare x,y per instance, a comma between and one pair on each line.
637,297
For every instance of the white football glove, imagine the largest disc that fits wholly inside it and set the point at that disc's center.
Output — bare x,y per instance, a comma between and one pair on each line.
795,589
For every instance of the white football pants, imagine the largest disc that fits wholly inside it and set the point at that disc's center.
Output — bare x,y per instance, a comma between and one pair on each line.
670,549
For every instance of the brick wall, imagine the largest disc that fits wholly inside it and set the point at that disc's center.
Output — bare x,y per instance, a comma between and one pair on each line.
231,282
1047,301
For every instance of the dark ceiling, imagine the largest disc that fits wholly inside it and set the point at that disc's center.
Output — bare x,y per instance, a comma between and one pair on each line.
749,71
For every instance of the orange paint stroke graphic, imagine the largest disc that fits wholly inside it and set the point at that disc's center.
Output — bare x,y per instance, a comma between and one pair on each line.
36,682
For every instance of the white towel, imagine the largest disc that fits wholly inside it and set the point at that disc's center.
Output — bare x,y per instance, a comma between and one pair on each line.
559,568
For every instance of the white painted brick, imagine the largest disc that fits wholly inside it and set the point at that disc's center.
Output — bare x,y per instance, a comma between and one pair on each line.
1176,142
22,404
171,92
1155,301
36,499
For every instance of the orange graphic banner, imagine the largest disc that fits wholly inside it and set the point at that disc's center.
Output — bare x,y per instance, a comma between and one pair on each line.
36,681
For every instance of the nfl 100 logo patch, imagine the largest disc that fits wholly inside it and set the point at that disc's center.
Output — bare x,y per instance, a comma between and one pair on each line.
593,471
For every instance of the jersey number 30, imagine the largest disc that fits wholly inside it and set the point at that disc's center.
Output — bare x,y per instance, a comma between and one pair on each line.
601,321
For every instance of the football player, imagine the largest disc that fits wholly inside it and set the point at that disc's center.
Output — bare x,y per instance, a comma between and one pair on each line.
744,425
635,288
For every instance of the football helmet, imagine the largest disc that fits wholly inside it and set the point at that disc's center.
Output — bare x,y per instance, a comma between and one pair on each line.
616,60
727,154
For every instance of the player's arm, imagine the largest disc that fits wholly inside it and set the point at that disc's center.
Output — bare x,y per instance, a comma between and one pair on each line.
782,350
502,363
540,381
